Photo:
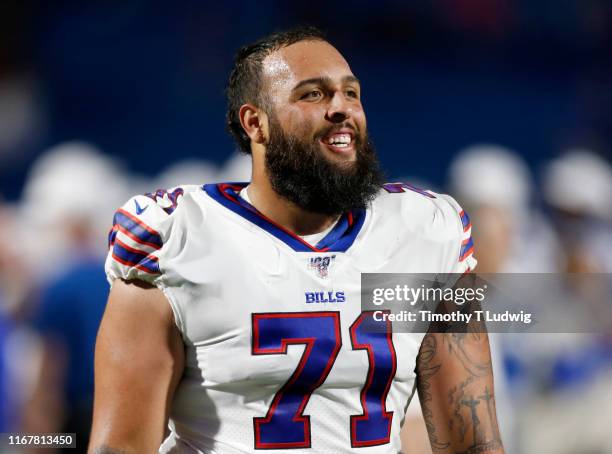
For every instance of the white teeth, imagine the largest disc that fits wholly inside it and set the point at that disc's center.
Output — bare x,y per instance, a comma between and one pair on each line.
341,140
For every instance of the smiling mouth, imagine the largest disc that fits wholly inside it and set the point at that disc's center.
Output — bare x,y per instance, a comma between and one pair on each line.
339,142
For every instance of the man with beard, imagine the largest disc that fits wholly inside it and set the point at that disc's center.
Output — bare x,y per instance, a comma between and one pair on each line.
235,311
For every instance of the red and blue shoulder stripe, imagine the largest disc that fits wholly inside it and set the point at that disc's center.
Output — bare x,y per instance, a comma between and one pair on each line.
136,229
127,228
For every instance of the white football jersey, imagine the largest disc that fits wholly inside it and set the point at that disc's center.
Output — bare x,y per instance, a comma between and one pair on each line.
279,355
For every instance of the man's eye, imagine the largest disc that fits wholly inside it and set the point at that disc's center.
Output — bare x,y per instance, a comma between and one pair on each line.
352,94
314,94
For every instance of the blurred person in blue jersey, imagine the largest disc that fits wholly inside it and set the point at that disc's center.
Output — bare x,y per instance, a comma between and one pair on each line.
19,347
569,373
64,204
495,185
548,374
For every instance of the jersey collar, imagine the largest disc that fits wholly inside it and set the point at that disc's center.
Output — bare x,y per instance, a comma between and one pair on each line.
339,239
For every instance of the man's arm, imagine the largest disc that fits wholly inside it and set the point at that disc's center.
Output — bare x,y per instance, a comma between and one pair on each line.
455,386
139,361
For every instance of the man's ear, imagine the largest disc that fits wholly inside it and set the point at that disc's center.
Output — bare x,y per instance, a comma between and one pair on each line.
254,122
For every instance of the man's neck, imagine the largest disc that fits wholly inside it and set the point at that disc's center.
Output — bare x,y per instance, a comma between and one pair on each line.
283,212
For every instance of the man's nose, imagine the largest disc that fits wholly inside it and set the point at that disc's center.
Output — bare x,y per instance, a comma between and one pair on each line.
339,109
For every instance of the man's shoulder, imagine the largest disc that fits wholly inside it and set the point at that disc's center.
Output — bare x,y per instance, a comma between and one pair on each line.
421,210
143,226
163,201
152,209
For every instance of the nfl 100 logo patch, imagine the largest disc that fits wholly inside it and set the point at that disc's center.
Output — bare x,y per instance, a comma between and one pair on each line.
320,265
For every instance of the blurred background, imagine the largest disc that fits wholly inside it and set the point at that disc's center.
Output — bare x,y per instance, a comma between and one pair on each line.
506,104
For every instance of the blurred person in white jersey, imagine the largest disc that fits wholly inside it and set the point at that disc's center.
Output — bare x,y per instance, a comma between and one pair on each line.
234,316
494,184
582,210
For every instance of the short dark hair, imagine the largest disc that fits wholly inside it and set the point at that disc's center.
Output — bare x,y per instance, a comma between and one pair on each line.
245,84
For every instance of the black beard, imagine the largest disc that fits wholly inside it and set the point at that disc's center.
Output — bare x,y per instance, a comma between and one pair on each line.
299,172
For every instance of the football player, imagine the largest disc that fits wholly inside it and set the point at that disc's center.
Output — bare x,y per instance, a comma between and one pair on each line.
234,316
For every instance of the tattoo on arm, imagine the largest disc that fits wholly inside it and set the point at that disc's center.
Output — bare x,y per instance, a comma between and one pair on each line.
427,369
455,396
476,367
482,441
471,425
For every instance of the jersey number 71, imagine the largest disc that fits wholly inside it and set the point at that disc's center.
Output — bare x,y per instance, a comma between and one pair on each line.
285,425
